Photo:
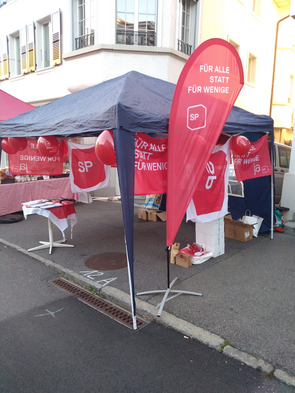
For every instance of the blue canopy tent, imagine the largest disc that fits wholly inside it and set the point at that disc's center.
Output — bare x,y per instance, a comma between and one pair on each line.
127,104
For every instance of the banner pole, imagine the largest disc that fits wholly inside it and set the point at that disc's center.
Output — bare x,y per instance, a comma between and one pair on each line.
168,266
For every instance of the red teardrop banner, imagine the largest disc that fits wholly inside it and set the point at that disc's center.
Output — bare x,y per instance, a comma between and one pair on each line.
204,96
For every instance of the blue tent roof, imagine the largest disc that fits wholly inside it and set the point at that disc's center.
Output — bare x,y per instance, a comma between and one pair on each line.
134,102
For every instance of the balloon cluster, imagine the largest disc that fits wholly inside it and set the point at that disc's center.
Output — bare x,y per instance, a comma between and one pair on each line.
104,148
13,145
48,146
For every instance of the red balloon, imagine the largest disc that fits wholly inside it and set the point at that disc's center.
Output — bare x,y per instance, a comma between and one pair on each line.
104,148
19,143
6,146
48,146
240,145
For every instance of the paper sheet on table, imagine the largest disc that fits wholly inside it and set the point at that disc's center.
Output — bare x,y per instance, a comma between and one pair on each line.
50,205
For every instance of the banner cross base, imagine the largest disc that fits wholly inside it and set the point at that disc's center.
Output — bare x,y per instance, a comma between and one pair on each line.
167,291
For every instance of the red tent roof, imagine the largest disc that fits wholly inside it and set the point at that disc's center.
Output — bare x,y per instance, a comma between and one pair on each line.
11,106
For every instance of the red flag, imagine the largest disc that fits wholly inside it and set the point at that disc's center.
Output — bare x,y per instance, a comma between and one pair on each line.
87,173
30,162
210,200
150,165
204,95
256,163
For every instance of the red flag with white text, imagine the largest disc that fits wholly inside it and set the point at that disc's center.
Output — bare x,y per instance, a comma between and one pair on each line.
210,200
204,96
150,165
256,163
87,173
30,162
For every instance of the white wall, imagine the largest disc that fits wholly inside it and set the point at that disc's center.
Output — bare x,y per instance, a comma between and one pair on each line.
232,19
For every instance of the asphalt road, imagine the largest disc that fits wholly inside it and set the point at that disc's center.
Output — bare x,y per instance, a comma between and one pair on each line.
52,342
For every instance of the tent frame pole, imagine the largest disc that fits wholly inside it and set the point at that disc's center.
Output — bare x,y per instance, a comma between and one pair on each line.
169,287
272,204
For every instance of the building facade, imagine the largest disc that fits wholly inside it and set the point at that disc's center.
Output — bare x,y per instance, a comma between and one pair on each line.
50,49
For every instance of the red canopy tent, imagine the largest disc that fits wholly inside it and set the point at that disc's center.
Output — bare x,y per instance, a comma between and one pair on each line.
11,106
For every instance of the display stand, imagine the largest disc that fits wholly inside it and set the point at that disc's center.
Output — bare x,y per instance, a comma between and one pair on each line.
169,287
50,244
59,214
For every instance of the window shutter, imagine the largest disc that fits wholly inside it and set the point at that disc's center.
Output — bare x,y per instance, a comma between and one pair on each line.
1,62
56,44
31,60
23,49
4,70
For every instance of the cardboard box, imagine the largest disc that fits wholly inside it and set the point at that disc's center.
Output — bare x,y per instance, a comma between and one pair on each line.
151,214
237,230
142,214
184,260
156,215
173,252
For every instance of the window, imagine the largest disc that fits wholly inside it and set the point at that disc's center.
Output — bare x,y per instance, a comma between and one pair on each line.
35,46
187,26
136,22
15,66
256,6
284,156
22,51
185,21
85,23
251,69
235,188
48,45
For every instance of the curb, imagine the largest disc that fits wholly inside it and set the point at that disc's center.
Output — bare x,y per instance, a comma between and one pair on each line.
149,312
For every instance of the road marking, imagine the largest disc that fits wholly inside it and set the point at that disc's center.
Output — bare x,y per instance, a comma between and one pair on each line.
49,313
95,273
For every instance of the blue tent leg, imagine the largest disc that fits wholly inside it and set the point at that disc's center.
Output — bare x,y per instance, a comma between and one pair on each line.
124,142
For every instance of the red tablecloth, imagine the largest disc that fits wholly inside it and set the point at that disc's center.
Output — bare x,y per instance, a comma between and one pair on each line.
13,195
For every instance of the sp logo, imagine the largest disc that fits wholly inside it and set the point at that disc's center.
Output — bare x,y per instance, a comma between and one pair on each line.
211,170
196,117
84,166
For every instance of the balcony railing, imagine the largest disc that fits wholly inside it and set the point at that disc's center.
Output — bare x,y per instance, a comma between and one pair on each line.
131,37
184,47
84,40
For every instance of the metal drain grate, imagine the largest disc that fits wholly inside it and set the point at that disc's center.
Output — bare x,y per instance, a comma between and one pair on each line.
99,304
